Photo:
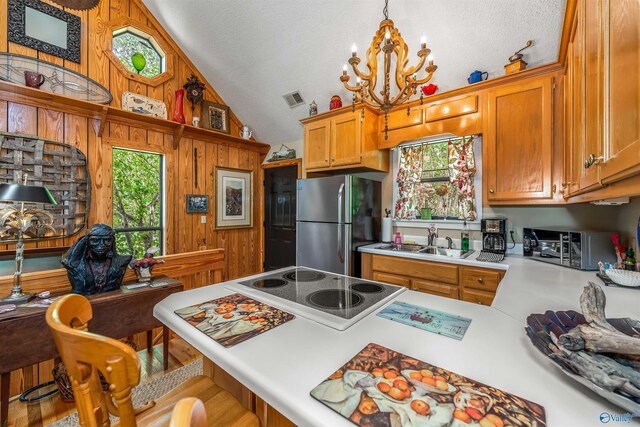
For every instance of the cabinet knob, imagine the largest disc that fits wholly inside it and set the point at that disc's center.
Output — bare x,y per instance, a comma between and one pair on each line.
480,279
592,160
491,190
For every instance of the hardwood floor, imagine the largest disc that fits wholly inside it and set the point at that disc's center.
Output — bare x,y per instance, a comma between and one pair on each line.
52,409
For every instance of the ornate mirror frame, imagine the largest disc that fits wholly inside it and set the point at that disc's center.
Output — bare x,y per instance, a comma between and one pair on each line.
17,14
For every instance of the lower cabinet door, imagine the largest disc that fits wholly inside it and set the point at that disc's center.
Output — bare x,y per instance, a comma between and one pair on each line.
392,279
435,288
477,297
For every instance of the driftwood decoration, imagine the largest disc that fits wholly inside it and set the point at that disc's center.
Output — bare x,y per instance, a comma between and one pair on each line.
604,351
62,168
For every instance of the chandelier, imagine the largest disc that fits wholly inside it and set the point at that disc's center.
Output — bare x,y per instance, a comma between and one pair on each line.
388,40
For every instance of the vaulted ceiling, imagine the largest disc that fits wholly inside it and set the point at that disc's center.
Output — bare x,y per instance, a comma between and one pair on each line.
255,51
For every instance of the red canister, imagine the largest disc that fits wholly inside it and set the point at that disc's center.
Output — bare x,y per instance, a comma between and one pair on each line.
336,102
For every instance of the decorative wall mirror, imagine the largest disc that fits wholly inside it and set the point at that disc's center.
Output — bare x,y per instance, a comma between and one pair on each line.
44,27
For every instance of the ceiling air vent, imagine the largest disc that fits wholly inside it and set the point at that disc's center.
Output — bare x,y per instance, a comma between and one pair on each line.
294,99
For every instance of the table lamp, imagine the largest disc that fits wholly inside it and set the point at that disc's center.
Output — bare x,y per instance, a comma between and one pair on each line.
21,221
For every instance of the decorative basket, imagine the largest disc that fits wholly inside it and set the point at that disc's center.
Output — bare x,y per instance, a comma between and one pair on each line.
624,277
61,378
284,153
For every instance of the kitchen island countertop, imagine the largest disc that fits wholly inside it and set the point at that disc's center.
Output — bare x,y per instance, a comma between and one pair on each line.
283,365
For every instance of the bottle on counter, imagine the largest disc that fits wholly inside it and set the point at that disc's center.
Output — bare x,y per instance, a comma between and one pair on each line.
398,239
464,237
630,260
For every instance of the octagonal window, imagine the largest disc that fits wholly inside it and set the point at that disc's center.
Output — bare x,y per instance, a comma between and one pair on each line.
138,51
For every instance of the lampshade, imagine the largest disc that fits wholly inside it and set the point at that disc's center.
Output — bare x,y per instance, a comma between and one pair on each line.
21,193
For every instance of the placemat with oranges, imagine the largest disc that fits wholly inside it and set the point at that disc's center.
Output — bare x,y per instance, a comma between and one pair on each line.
381,387
234,318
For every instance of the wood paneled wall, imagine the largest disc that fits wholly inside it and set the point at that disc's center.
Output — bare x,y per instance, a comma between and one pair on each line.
184,232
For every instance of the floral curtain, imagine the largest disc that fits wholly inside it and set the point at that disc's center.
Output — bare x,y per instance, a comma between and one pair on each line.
462,169
409,174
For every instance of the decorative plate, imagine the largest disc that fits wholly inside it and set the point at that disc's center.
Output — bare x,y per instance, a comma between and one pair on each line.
624,277
143,105
59,80
541,327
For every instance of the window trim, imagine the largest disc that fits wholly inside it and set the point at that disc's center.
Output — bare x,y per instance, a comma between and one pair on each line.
146,37
444,223
163,199
116,25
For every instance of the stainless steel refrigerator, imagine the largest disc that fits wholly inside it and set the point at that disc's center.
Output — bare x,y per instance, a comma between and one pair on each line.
336,215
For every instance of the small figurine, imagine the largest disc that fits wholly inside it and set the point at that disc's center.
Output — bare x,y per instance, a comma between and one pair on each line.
143,266
313,108
93,263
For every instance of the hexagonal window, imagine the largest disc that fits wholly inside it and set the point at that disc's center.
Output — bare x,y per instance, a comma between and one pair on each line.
138,51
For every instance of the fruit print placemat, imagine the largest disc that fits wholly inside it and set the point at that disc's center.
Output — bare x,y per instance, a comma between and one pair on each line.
234,318
381,387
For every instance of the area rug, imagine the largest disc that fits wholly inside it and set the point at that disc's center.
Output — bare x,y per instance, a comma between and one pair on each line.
148,391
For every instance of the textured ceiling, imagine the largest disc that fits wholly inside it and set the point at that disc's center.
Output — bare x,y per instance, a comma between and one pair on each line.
255,51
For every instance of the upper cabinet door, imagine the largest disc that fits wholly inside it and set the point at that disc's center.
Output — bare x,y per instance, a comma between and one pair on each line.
622,148
518,141
590,25
346,140
317,144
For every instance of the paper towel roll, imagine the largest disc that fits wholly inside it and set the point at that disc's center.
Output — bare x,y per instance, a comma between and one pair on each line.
386,230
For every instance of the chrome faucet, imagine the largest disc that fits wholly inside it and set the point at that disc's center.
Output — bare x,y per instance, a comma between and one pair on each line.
433,235
449,242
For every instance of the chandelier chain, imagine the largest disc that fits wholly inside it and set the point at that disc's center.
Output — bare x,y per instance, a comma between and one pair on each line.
385,11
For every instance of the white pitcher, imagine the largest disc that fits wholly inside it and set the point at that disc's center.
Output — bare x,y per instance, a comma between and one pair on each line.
246,133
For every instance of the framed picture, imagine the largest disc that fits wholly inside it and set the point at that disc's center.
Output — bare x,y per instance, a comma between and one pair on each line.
46,28
197,203
215,116
234,198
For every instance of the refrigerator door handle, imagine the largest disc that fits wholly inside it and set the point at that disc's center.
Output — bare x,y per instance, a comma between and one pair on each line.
340,206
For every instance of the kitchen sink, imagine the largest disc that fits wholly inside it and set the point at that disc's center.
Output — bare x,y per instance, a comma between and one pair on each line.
403,248
451,253
431,250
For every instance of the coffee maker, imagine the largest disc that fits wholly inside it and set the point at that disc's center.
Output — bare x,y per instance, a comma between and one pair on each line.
494,239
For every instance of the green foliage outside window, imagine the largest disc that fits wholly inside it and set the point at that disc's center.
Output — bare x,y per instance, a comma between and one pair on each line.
435,190
137,201
124,45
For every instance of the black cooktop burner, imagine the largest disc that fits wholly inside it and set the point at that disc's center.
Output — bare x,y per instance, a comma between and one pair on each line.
269,283
304,276
366,288
334,298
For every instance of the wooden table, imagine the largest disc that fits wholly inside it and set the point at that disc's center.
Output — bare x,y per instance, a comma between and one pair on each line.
117,314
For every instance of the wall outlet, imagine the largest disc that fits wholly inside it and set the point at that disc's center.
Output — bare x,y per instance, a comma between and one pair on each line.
203,219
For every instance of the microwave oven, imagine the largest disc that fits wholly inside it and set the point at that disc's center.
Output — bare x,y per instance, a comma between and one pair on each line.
577,249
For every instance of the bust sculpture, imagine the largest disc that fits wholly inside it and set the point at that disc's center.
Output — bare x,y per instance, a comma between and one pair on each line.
93,264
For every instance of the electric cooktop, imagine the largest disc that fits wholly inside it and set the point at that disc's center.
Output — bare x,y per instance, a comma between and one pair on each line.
330,299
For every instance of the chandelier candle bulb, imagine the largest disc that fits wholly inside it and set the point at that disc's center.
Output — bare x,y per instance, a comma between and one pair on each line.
344,70
430,59
423,42
354,49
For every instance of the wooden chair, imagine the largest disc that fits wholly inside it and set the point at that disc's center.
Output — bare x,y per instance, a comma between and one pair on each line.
189,412
85,354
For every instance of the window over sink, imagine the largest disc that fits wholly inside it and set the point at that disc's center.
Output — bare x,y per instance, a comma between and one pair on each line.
438,180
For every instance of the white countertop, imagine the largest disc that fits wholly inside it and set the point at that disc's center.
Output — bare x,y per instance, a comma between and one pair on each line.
283,365
531,286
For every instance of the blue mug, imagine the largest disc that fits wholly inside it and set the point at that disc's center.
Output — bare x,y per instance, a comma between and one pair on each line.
477,76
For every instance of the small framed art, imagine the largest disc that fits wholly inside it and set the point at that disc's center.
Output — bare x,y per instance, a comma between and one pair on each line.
215,116
234,198
197,203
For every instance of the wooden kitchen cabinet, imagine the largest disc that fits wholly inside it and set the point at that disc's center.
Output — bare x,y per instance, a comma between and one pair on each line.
602,96
477,297
435,288
622,154
518,141
474,284
343,139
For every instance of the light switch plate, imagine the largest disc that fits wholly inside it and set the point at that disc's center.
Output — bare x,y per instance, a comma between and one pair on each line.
203,219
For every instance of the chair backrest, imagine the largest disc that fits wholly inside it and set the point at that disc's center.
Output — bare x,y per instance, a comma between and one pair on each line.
84,355
189,412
